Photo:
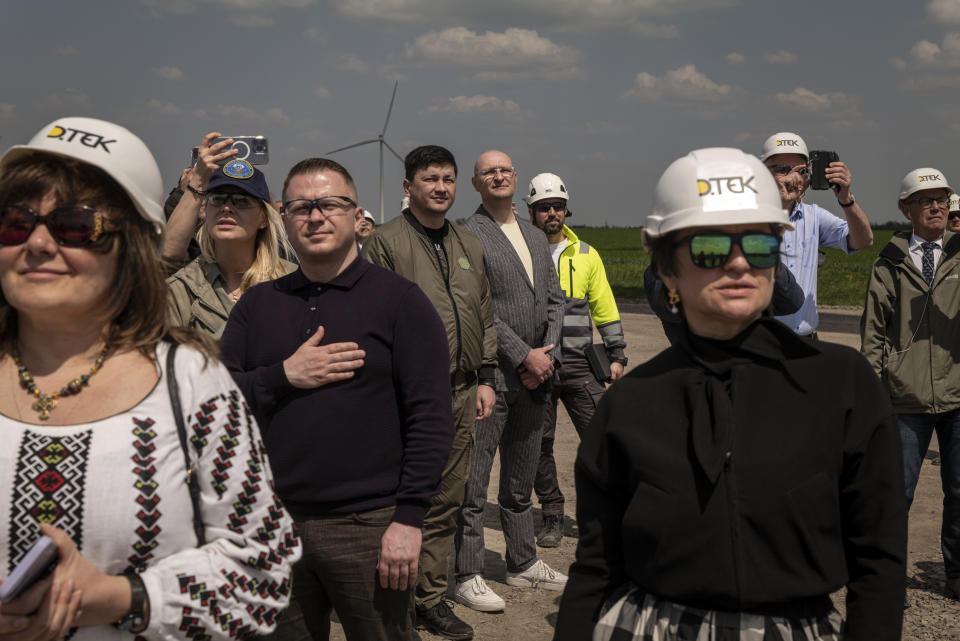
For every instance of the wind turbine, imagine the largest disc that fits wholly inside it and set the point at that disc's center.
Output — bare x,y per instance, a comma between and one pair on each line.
383,143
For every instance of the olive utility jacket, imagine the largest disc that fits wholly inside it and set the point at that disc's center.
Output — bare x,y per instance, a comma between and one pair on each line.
453,278
910,331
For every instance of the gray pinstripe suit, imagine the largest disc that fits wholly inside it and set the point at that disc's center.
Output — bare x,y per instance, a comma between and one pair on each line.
526,316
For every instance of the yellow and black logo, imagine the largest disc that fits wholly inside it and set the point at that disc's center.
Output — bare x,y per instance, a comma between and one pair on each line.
788,142
928,177
85,138
725,185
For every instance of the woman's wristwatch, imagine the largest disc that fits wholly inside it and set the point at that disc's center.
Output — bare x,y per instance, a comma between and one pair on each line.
135,620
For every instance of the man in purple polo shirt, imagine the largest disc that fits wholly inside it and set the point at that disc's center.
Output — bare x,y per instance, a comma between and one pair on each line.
346,366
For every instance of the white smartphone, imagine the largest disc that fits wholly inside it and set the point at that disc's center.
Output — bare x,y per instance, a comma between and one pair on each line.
36,563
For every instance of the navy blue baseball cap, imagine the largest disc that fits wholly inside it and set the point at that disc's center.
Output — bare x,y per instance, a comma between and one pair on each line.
242,174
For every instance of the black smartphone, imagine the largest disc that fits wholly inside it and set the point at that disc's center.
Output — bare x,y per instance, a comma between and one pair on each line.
254,149
819,161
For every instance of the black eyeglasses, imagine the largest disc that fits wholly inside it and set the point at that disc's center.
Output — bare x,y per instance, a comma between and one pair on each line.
783,170
542,208
927,203
74,226
710,250
328,206
953,214
239,201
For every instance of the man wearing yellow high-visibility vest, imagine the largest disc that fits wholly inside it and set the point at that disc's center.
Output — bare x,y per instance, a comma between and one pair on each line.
588,301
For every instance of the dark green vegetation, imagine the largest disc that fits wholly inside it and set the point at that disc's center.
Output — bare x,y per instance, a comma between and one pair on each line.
843,279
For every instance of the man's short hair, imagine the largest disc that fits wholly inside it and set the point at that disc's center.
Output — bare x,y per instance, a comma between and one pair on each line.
314,165
426,155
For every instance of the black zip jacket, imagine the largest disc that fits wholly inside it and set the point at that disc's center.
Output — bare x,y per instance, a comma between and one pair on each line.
755,475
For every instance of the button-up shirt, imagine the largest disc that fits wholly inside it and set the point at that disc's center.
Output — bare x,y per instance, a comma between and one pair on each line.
814,227
916,251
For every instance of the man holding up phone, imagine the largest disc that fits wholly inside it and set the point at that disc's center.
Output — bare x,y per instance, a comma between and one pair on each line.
785,155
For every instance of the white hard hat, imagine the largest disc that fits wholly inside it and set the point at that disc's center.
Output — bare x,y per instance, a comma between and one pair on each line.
923,178
546,186
784,142
710,187
109,147
954,202
369,216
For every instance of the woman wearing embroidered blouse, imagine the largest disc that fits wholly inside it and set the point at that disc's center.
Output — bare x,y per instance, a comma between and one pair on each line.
99,466
239,238
728,486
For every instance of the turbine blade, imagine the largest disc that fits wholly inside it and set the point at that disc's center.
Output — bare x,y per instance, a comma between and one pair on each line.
399,157
390,108
356,144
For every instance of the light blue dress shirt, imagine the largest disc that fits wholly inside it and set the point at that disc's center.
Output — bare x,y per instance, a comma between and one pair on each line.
814,227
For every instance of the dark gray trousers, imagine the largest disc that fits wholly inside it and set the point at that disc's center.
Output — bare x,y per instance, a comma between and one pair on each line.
514,427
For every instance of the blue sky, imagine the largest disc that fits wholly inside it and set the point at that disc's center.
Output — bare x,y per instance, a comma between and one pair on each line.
604,93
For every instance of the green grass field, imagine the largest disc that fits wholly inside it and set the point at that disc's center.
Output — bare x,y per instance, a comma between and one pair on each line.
842,279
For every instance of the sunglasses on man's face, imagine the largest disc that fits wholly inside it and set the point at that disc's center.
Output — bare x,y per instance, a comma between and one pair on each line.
953,215
710,250
542,208
74,226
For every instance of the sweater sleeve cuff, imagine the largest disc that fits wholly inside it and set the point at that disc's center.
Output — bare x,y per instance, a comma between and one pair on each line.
276,379
487,376
410,513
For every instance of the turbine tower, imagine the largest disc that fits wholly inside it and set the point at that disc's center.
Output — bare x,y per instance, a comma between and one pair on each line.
382,143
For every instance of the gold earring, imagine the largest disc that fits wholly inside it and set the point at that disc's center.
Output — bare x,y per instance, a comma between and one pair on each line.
673,298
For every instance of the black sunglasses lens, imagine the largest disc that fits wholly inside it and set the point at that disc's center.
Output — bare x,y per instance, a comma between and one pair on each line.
72,227
15,225
760,250
710,252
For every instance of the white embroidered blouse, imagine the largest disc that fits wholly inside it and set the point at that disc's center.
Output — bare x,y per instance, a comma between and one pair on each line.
117,487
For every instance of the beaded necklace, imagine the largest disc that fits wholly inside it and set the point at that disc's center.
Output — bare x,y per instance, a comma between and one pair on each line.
46,402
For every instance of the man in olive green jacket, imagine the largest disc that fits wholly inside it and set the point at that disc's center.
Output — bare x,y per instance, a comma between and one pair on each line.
910,331
446,261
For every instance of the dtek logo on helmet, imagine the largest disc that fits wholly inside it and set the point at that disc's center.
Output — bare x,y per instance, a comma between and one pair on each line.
787,142
929,177
87,138
725,185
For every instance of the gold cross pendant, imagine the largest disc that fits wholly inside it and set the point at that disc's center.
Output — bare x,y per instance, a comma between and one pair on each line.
43,404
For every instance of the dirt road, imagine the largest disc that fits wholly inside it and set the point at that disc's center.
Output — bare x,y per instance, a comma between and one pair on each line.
531,614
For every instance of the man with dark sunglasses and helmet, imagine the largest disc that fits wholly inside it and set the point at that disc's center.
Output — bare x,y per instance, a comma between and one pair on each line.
588,301
785,155
953,218
910,335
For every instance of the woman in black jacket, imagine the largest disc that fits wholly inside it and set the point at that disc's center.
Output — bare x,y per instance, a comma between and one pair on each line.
729,485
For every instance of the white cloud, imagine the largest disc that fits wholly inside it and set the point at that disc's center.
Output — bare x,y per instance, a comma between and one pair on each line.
925,51
898,63
7,110
168,73
735,58
781,57
163,108
944,10
515,54
277,114
555,15
810,101
242,13
66,50
683,84
479,106
322,93
352,62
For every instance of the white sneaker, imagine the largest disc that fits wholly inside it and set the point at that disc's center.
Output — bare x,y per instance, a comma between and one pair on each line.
477,595
538,575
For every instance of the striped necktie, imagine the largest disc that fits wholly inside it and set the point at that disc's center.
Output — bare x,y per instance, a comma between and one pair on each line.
927,261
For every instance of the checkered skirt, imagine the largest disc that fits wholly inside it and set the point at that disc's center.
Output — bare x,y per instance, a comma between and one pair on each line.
637,616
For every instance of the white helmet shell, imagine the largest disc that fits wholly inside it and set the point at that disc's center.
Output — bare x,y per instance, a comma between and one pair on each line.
784,142
110,147
712,187
954,202
546,186
923,178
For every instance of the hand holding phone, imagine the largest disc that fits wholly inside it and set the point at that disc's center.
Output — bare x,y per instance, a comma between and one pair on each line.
819,161
39,560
